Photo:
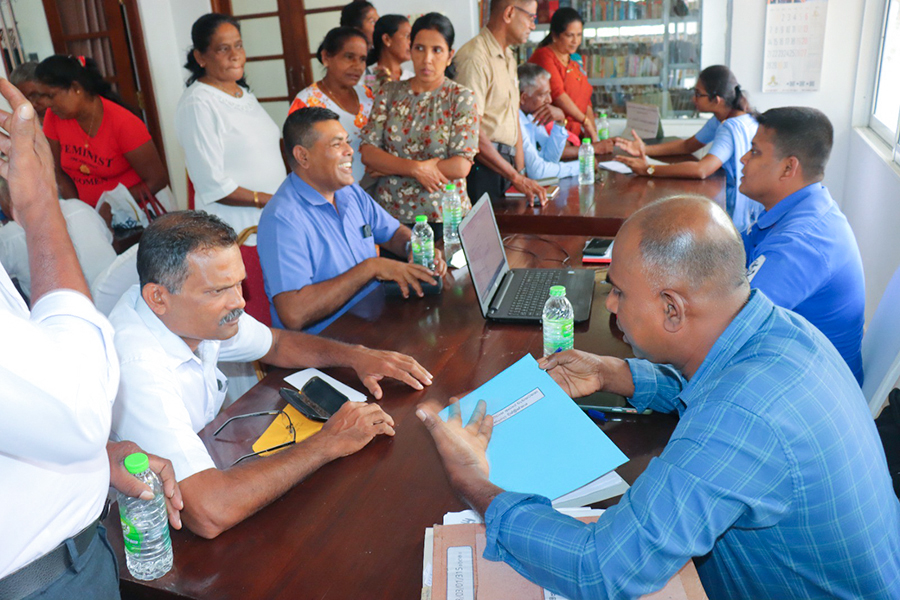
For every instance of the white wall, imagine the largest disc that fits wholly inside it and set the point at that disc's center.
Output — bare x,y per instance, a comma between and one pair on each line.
836,93
462,13
167,31
33,31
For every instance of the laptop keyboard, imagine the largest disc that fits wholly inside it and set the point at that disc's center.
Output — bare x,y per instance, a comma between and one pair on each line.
533,292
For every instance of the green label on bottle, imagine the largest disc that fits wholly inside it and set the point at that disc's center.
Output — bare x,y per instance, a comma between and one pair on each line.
131,537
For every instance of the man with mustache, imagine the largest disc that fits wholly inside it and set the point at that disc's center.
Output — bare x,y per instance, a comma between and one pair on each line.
172,329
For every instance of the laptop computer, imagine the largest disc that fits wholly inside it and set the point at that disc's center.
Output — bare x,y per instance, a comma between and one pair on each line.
515,295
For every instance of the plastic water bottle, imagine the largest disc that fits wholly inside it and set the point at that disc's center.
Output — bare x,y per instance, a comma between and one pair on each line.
558,320
145,524
451,207
603,127
586,162
423,243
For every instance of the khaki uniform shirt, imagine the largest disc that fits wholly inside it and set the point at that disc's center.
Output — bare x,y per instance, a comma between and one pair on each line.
490,71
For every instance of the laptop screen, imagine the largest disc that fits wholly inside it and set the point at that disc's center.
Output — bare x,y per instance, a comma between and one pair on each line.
484,249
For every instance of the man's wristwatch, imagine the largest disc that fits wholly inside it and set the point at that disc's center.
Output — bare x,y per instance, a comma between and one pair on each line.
651,170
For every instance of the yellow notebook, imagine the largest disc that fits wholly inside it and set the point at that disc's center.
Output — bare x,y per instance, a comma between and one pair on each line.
278,432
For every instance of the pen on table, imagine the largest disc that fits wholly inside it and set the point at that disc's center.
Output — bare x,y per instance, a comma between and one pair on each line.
596,415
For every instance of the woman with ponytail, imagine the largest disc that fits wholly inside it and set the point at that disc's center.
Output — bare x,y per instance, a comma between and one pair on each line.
97,141
389,51
231,145
730,129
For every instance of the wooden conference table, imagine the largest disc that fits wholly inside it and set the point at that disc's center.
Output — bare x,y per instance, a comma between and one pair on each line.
601,208
355,528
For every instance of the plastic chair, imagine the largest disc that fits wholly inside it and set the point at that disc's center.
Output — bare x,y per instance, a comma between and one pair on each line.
254,288
115,280
881,348
190,191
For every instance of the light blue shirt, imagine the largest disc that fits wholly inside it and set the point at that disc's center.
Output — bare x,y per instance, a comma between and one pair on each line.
543,150
774,480
707,133
803,255
304,239
731,142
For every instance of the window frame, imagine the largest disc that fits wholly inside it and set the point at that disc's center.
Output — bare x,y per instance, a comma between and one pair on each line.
892,138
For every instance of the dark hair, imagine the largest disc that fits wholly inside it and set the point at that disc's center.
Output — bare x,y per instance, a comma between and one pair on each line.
298,127
386,25
202,32
335,40
436,22
559,22
720,82
353,14
62,71
167,242
23,73
803,132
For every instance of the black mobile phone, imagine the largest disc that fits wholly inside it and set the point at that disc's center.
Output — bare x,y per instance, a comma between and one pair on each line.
597,246
316,400
607,402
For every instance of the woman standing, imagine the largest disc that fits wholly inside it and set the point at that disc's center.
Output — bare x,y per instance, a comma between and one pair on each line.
231,144
731,130
97,142
423,132
361,15
389,51
343,53
570,89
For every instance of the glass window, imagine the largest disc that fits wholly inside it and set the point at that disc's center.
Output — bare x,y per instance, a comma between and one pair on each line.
886,111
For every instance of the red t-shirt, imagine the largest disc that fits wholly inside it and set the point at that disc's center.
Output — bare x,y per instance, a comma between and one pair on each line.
98,164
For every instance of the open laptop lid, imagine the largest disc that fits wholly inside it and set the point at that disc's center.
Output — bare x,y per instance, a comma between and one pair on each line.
483,247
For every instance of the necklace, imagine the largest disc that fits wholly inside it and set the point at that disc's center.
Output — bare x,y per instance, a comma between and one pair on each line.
330,94
87,141
237,93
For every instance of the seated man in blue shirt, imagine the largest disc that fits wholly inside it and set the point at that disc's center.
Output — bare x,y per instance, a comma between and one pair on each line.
775,479
317,234
801,251
544,151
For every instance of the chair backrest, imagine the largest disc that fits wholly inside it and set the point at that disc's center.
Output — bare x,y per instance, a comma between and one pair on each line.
881,348
115,280
190,191
254,287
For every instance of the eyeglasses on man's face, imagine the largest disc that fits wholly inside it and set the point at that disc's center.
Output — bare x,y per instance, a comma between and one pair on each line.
530,15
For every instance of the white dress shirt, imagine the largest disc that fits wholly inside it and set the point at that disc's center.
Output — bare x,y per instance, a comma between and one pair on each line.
90,236
168,393
58,380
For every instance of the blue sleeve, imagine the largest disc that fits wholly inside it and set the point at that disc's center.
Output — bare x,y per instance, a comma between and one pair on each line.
284,254
723,144
553,145
655,386
535,165
383,224
792,269
707,133
678,508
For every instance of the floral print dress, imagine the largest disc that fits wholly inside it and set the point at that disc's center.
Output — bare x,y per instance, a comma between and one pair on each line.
442,123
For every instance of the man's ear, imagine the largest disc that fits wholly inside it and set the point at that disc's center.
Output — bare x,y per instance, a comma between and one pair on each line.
301,156
508,13
157,298
674,310
791,167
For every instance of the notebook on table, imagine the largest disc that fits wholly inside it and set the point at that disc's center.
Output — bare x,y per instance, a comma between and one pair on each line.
515,295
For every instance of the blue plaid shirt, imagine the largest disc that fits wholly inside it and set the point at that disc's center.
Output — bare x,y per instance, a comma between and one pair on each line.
775,479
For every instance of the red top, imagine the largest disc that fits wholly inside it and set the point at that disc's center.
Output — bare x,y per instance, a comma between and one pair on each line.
565,79
98,164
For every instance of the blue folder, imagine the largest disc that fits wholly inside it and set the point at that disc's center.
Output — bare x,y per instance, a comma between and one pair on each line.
545,444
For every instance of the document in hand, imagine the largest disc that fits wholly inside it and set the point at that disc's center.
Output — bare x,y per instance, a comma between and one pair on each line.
542,442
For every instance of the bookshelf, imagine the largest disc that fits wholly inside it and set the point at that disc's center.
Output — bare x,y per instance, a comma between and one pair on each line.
634,50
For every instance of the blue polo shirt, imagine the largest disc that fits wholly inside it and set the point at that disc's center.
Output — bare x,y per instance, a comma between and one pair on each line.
304,239
731,142
803,255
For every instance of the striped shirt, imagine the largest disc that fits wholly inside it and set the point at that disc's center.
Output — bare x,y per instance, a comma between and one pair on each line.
774,480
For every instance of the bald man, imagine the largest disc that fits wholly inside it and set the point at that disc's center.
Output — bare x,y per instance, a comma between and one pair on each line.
775,480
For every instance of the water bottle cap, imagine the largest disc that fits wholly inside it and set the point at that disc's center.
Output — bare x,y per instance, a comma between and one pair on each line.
451,187
586,141
557,290
603,115
137,463
421,219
